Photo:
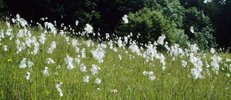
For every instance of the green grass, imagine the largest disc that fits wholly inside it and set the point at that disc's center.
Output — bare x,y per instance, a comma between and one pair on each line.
124,75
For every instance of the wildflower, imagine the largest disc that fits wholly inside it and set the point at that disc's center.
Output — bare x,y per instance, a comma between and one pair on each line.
98,54
120,57
215,62
28,75
74,42
52,47
42,38
86,79
125,19
76,22
152,77
50,61
88,28
58,88
114,91
161,39
5,48
2,34
45,72
83,52
23,63
97,80
134,48
184,63
83,68
212,50
50,27
192,29
94,69
69,62
30,64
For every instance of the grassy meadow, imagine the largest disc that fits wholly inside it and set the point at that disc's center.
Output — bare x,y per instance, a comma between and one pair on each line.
36,63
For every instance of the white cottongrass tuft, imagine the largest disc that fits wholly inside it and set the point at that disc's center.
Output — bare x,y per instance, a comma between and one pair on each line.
88,28
83,68
50,61
98,54
94,69
69,62
23,63
42,38
161,39
215,62
30,64
45,71
150,75
52,47
97,80
28,75
50,27
134,48
184,63
58,88
125,19
86,79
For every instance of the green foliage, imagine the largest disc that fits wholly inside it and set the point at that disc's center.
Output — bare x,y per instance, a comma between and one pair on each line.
149,24
203,35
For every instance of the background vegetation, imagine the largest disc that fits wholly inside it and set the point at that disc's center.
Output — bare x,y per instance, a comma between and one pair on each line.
210,19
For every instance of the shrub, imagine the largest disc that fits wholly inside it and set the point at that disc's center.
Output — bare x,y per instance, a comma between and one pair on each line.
203,34
150,24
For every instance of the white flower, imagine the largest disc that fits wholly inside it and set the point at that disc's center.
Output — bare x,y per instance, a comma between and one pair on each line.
50,61
125,19
50,27
45,72
98,54
83,68
28,75
69,62
42,38
23,63
88,28
134,48
196,72
212,50
74,42
5,48
161,39
30,64
83,52
76,22
208,1
114,91
192,29
94,69
58,88
97,80
215,62
152,77
184,63
2,34
86,79
52,47
120,57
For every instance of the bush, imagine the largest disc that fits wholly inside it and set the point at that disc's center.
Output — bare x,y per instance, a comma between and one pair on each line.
203,34
150,25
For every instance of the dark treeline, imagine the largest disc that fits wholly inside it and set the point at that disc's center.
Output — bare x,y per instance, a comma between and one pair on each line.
210,20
